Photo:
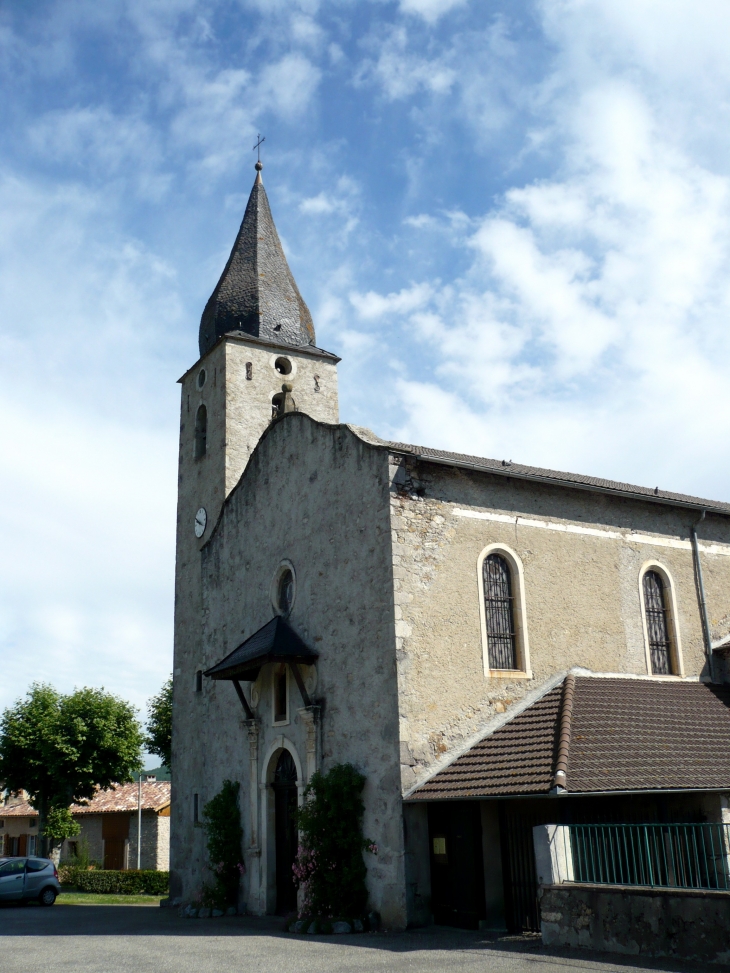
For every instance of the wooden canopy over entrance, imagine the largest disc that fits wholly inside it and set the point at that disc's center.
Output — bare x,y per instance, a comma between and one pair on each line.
275,642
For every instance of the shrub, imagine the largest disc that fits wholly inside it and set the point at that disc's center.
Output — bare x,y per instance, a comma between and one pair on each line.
222,825
130,882
330,868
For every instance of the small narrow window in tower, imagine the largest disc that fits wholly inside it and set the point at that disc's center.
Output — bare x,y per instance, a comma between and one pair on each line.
281,696
283,366
316,383
201,432
199,681
500,613
655,607
196,808
249,371
201,378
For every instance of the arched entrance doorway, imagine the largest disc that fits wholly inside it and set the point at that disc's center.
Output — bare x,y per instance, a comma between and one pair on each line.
285,803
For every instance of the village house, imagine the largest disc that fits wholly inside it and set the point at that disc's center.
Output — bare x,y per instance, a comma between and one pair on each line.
108,827
494,646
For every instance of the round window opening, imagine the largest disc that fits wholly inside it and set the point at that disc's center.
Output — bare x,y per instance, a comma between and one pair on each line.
201,378
285,591
283,366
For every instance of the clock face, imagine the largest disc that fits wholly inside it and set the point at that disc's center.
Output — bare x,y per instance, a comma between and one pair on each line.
201,519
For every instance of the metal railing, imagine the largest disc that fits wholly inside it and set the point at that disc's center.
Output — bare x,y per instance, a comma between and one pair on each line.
685,856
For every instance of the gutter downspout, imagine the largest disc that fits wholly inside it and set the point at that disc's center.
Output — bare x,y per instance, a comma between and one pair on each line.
701,592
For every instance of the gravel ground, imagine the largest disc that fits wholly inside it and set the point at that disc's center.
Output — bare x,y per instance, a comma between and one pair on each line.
138,939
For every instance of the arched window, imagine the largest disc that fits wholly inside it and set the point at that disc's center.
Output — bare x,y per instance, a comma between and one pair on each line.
499,612
201,432
656,611
505,646
285,591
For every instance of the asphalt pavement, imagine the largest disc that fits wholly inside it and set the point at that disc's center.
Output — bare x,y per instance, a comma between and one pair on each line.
144,939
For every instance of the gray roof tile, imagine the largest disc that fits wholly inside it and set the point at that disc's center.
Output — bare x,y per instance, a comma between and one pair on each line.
257,293
508,468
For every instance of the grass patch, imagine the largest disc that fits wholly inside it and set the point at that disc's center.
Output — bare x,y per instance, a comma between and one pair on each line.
98,898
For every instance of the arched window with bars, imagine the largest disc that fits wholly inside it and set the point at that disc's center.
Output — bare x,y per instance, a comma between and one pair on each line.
499,612
657,613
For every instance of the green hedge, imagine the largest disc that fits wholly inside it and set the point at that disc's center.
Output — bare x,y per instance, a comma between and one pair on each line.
124,883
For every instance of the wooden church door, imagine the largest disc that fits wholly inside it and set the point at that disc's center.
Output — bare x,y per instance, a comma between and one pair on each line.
285,805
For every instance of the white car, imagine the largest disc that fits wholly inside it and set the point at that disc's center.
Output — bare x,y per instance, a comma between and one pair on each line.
28,878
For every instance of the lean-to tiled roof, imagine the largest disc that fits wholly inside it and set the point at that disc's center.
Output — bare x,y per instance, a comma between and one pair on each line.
20,810
123,797
574,480
624,735
120,797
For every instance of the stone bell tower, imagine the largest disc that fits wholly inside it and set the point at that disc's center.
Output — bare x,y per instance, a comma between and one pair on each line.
258,358
256,336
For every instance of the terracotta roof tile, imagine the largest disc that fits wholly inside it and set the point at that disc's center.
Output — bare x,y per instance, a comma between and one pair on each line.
517,759
119,797
626,735
21,810
123,797
637,734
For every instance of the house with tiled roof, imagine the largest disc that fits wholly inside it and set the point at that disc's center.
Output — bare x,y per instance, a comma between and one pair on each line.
495,646
109,824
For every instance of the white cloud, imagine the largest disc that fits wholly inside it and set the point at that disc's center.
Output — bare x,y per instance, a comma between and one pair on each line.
430,10
372,306
288,85
87,478
401,73
593,319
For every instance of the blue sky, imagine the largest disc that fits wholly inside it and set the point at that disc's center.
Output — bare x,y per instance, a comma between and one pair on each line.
509,219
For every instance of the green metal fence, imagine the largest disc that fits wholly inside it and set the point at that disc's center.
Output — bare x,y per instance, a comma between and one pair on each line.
685,856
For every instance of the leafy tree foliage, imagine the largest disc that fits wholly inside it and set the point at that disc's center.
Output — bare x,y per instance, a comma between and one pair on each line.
61,824
60,749
330,868
222,824
159,724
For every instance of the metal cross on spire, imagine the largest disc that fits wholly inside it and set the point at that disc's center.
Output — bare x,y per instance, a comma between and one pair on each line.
259,165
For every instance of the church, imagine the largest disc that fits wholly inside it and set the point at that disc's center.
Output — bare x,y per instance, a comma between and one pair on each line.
493,646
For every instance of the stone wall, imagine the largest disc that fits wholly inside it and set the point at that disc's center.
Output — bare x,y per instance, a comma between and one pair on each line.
316,496
155,842
582,554
91,834
682,924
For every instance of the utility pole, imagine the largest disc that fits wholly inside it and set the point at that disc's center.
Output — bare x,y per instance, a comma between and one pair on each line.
139,821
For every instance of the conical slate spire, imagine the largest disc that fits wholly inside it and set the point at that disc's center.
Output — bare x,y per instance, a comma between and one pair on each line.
257,293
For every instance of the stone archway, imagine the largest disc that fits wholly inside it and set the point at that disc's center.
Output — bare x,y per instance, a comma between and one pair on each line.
278,792
285,832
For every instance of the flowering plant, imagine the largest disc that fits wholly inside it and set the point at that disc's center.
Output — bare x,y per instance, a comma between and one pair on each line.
329,868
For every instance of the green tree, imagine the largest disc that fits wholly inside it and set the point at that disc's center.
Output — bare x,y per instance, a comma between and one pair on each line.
159,724
60,749
60,824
